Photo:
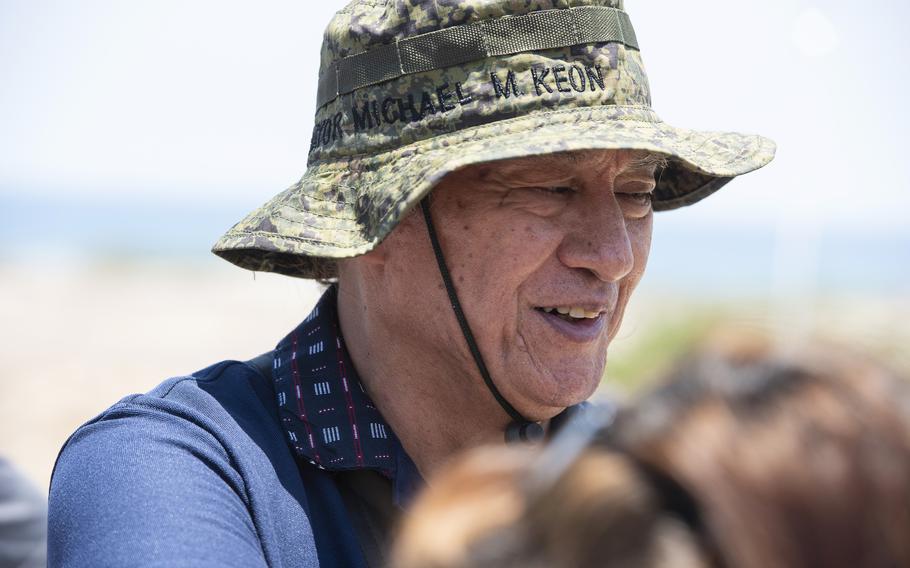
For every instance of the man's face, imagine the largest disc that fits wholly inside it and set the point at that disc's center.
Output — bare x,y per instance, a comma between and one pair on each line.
544,253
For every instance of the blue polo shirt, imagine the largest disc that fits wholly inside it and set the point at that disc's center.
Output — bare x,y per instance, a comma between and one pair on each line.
228,467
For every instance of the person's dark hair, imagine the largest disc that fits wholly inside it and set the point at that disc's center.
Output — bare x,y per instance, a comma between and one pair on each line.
741,459
793,462
602,512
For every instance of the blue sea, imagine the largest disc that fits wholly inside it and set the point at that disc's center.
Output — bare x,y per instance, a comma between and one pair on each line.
704,260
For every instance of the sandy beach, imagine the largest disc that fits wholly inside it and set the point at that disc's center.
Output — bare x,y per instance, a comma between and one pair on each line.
74,342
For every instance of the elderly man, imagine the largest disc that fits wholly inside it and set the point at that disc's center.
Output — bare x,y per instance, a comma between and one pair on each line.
480,187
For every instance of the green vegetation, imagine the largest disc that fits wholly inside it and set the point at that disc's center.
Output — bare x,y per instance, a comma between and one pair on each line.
655,348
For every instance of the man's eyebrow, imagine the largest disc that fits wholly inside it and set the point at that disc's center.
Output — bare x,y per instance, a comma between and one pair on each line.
556,161
645,159
649,160
535,164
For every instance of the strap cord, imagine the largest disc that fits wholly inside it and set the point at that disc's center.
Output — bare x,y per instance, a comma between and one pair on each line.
462,321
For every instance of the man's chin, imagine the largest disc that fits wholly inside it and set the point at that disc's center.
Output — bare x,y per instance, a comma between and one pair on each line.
570,387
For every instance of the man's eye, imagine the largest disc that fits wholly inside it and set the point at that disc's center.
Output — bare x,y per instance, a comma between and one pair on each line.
642,199
556,190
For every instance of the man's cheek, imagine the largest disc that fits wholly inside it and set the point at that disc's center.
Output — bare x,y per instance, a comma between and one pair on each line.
640,238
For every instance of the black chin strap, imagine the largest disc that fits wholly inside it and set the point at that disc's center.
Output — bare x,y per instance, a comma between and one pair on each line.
520,429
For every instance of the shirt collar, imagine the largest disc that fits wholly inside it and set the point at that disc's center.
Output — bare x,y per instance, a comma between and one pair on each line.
327,415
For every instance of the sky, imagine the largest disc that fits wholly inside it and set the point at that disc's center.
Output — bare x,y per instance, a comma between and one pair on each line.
208,105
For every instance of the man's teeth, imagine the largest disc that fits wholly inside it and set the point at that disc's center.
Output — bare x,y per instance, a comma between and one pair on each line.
573,312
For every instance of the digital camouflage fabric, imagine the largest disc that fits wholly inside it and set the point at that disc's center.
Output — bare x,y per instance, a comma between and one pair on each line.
396,114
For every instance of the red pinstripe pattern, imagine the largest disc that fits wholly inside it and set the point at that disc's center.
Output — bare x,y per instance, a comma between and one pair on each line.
352,417
301,408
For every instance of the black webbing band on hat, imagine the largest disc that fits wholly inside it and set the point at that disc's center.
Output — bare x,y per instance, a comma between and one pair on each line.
546,29
462,320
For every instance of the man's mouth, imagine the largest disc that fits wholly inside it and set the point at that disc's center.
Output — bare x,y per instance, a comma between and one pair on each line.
571,314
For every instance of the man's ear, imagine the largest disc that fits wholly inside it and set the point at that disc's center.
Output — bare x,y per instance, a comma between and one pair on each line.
376,257
370,262
401,238
399,242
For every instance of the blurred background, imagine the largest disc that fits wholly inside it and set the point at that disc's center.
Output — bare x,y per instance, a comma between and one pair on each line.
132,134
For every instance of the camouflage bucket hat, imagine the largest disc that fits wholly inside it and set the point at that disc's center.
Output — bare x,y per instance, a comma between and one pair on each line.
411,90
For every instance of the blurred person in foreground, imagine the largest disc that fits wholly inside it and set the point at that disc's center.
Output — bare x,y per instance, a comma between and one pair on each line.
480,189
23,521
741,460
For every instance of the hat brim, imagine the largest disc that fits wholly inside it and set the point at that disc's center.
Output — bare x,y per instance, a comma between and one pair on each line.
345,209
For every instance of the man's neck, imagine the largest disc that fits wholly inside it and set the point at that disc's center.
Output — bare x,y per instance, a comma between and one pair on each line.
434,407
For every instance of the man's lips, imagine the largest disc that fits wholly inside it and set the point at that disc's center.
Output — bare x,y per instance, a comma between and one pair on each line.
576,329
575,312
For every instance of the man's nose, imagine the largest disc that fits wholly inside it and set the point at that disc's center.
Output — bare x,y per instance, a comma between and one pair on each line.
598,241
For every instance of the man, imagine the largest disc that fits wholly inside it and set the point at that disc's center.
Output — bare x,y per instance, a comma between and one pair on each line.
476,312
